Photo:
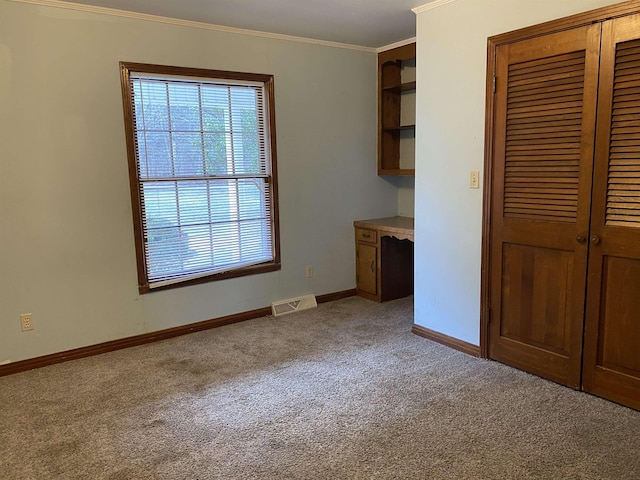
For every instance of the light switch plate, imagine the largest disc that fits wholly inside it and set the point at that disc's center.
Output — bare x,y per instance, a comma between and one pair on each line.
474,179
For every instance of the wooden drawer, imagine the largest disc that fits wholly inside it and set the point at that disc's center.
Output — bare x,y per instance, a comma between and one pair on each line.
364,235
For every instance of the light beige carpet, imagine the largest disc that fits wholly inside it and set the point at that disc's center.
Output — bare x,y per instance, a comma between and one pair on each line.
344,391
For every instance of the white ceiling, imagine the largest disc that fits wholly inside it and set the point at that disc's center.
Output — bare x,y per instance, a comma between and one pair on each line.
368,23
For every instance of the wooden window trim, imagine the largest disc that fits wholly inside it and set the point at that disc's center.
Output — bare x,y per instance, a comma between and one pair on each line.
137,208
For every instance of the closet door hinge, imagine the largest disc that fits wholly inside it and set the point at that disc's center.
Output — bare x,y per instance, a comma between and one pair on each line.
494,84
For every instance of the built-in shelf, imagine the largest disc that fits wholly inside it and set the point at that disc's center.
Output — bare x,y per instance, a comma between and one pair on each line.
396,111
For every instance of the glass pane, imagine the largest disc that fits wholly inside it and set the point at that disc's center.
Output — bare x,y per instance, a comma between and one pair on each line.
226,239
216,127
160,205
141,146
187,154
215,153
185,107
251,195
247,153
243,101
224,199
194,203
158,150
199,256
215,108
245,118
163,249
154,106
255,240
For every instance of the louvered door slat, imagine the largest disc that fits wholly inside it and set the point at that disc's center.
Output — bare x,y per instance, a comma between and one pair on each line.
542,64
541,100
537,106
630,127
535,150
515,190
517,138
541,128
534,171
629,82
545,200
547,78
555,120
526,162
632,63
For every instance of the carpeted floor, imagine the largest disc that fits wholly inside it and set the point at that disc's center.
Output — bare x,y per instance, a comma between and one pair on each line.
344,391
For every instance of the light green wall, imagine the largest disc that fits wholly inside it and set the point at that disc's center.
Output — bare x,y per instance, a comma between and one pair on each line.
406,196
451,62
66,241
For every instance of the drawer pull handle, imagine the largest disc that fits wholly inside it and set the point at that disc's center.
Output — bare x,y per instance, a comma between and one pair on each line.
366,235
373,265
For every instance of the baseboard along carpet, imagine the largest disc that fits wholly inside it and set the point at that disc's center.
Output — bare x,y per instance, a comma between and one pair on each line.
344,391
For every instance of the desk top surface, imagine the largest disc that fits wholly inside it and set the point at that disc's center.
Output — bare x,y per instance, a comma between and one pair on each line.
401,225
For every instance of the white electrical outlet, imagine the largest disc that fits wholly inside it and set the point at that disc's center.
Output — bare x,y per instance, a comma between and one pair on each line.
308,270
26,321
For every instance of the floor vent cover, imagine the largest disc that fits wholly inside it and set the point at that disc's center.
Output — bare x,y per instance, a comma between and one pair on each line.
284,307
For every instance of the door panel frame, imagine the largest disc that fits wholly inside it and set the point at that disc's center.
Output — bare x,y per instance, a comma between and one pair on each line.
614,241
540,234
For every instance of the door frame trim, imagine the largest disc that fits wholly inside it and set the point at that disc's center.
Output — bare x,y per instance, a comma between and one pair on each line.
565,23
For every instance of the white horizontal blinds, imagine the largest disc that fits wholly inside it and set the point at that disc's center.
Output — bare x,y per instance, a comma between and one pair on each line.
203,174
544,137
623,192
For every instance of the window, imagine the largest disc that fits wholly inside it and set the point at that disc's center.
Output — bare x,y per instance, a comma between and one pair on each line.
202,167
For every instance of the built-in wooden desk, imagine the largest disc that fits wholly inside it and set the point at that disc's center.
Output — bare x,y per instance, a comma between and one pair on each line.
384,258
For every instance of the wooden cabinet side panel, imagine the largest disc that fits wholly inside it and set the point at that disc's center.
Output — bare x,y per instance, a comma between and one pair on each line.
366,268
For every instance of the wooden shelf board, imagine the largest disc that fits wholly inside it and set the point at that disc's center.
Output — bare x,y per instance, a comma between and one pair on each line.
409,172
401,127
405,87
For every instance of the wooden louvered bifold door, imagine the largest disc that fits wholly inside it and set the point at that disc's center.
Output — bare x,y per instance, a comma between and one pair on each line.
612,336
544,112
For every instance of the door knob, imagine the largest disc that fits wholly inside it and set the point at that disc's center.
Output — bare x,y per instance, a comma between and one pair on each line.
595,239
581,238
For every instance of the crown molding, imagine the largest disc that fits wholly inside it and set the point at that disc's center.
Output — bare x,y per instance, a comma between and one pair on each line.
188,23
430,6
401,43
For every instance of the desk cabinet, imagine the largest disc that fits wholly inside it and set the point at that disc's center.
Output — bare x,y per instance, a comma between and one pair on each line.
384,258
367,261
